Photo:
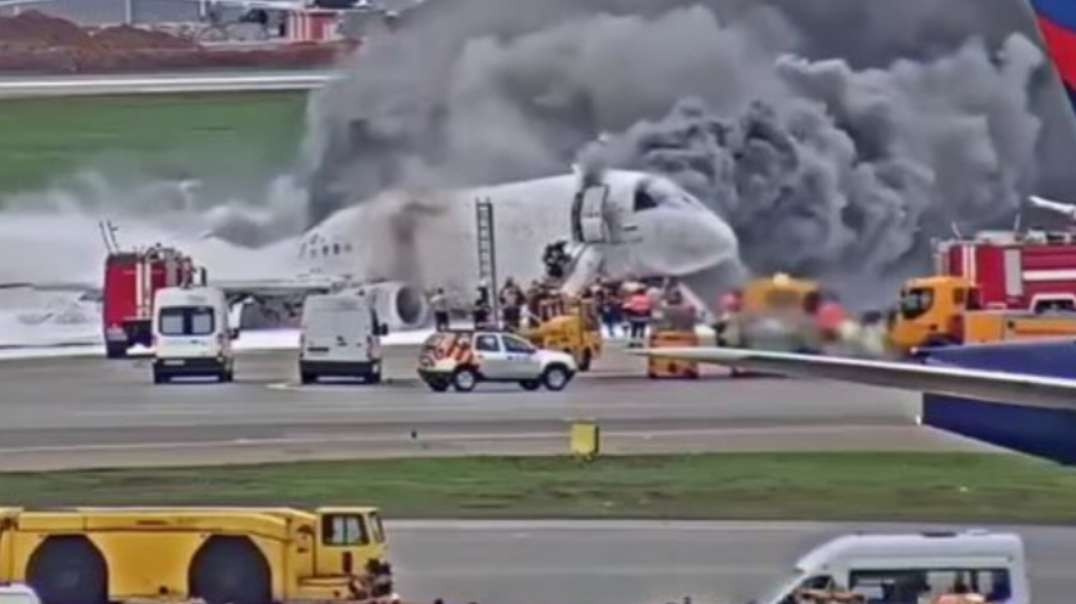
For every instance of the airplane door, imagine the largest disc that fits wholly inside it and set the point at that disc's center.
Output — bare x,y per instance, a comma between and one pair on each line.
589,215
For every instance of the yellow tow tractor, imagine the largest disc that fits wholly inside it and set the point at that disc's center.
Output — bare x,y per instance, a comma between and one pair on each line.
215,555
568,325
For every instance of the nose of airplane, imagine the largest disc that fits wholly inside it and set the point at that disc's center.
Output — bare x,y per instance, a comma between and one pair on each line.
681,236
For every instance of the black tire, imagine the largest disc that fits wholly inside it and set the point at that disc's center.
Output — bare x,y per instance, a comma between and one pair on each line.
116,350
556,377
308,378
68,570
438,385
225,377
530,385
374,378
585,362
465,379
159,378
230,570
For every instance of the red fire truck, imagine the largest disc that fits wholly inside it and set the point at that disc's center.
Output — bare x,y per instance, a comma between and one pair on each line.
131,280
1033,271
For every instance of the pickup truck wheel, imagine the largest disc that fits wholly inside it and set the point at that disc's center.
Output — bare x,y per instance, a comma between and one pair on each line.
556,377
68,570
530,385
465,379
230,570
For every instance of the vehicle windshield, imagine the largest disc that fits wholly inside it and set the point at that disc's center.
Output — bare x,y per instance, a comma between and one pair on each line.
187,321
916,302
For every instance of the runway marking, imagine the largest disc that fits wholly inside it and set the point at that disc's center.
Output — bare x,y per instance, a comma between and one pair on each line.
405,438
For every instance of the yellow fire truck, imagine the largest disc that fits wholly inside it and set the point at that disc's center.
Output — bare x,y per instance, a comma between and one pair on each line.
216,555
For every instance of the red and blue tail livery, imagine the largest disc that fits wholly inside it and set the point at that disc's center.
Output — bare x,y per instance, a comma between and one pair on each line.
1057,22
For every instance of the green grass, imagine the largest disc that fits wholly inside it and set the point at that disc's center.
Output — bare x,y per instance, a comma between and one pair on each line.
984,488
239,137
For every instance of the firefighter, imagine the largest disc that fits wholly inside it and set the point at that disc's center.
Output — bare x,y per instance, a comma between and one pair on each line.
481,309
511,298
439,304
638,308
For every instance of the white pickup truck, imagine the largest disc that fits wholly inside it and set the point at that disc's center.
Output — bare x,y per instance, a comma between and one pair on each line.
463,359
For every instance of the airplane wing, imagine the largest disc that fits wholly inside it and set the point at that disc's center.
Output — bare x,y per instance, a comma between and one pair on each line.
275,288
1014,388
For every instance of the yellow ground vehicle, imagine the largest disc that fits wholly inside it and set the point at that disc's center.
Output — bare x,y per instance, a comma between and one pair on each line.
945,310
570,326
218,555
775,314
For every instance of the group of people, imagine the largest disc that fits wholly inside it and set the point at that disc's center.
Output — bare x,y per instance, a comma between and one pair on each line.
635,309
517,306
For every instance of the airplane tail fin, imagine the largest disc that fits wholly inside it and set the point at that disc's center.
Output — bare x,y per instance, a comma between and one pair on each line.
1057,23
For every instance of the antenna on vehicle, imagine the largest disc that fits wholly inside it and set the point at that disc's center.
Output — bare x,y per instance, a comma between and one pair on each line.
956,230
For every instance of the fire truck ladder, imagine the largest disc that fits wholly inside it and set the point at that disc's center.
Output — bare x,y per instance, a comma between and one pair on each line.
487,251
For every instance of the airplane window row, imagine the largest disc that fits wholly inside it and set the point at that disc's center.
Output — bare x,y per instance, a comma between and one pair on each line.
331,250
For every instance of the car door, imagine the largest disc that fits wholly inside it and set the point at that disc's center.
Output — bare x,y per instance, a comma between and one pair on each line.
521,357
492,360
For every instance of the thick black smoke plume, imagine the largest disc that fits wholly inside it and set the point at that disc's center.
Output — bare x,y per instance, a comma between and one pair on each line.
835,167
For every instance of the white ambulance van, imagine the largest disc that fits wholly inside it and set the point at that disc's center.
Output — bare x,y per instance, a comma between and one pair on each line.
892,569
341,337
191,334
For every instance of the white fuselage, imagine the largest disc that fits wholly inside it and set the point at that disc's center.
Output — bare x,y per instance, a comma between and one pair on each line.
429,238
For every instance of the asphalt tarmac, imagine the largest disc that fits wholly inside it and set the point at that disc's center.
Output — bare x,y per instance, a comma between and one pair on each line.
91,412
532,562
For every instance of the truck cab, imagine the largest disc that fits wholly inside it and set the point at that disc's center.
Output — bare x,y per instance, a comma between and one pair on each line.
931,311
892,569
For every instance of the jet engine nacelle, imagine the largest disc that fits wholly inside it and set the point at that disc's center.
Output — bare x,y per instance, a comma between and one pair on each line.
399,305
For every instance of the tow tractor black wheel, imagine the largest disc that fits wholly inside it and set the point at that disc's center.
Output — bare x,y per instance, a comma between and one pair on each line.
159,377
116,351
465,379
230,570
556,377
374,378
68,570
308,378
530,385
438,385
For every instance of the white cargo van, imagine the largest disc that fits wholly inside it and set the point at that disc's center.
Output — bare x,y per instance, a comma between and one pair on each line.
891,569
341,337
191,334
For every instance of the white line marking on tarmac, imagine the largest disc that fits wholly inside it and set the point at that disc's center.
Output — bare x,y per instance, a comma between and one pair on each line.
405,438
